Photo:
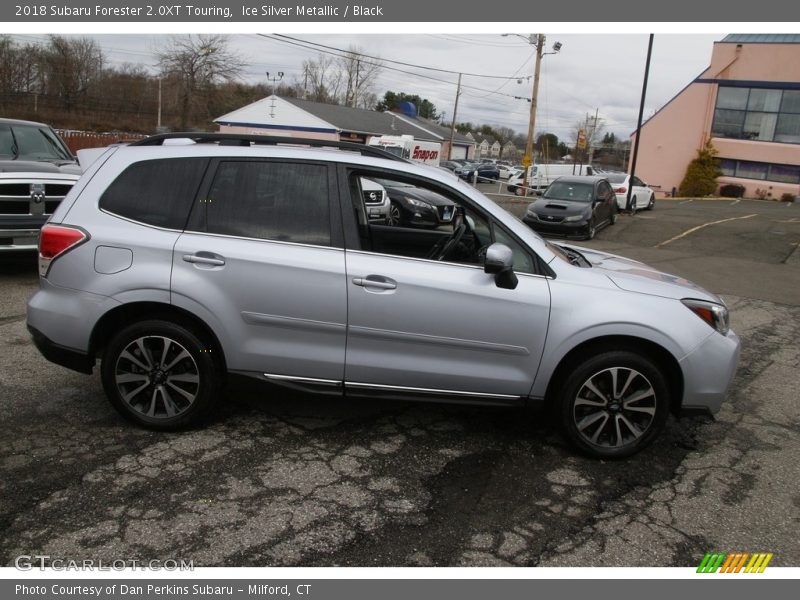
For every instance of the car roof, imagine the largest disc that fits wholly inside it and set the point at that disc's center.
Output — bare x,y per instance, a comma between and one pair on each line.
580,179
4,121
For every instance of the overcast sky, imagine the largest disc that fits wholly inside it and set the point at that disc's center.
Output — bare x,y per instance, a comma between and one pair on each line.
592,72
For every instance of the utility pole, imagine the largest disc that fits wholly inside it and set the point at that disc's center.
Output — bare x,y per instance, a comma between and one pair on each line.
539,44
305,82
590,138
453,124
158,122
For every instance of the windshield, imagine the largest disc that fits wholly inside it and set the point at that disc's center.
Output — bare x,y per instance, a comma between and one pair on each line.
29,142
572,192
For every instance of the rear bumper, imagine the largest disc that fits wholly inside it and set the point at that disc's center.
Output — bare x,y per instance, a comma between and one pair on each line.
62,355
708,372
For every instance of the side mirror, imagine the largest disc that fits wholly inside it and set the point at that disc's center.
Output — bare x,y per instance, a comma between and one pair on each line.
500,262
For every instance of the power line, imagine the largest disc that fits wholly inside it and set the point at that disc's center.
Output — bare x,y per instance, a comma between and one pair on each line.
378,62
396,62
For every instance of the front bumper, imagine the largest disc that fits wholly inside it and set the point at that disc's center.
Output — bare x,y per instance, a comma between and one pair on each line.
708,372
579,230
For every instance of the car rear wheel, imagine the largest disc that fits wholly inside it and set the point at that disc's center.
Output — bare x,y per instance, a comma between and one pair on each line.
519,191
613,219
613,404
161,375
652,204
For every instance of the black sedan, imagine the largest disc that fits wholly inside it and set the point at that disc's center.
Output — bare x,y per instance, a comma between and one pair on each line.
485,172
573,207
417,207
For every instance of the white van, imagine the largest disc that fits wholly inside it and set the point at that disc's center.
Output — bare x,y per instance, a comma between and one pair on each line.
542,175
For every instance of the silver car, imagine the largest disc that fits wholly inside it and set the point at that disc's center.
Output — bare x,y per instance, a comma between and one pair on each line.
180,261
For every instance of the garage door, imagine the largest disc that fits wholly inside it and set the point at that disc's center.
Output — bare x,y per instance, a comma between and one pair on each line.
459,151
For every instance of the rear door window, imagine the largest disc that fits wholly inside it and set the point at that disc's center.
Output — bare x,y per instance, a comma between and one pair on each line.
156,192
270,200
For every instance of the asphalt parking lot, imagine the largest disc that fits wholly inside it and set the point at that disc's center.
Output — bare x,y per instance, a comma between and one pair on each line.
280,479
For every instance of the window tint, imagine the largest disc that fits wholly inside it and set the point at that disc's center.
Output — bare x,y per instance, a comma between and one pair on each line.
280,201
523,263
156,192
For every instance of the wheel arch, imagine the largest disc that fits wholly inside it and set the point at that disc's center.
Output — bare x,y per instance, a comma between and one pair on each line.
660,355
126,314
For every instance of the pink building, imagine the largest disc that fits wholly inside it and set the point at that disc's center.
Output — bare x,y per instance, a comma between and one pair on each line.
748,103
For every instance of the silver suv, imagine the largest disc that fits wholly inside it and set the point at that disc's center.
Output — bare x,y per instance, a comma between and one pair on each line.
183,259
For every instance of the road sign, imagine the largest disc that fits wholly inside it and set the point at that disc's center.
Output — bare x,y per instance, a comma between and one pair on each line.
526,161
581,139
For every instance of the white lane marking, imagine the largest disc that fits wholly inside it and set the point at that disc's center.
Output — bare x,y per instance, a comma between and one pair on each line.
693,229
685,201
736,201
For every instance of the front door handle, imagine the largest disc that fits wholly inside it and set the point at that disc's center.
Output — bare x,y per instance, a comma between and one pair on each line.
204,259
376,281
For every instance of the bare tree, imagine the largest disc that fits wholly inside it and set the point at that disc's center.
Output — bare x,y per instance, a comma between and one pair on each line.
322,79
69,67
197,63
593,130
358,74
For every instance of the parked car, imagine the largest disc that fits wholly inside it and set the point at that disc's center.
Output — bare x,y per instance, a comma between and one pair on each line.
417,207
485,172
36,171
182,266
574,207
506,171
642,196
450,165
542,175
376,200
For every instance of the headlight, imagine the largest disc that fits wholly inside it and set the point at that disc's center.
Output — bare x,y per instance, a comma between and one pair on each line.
418,203
574,218
715,315
532,215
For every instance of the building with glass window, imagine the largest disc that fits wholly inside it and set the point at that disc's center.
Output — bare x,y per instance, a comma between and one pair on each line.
747,102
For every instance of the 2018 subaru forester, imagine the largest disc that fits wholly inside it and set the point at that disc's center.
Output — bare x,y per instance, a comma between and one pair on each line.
184,257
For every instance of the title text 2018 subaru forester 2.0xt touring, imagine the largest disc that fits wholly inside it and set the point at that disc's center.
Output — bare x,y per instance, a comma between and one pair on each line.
177,261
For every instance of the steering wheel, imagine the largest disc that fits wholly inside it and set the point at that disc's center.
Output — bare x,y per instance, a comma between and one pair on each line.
445,246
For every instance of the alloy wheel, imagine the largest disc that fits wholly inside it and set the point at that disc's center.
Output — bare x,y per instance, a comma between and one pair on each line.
394,215
614,407
157,377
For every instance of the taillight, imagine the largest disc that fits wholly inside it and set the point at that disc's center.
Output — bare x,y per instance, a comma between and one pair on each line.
54,241
620,190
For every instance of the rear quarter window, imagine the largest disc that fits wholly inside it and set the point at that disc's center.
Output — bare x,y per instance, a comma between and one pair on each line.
156,192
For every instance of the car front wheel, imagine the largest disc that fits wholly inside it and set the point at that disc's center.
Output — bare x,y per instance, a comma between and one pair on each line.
161,375
613,404
395,215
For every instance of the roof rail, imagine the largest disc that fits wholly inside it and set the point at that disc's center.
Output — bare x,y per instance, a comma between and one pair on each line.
238,139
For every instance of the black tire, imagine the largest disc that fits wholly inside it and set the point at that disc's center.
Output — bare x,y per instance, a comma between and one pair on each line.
590,422
652,204
518,191
176,373
614,217
592,231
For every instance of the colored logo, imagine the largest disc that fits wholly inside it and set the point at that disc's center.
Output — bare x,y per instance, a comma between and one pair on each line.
734,562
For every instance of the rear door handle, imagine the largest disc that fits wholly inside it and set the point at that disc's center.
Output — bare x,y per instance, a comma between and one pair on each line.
376,281
204,259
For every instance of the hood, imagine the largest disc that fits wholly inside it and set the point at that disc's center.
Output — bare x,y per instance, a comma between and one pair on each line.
428,196
634,276
559,208
33,166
